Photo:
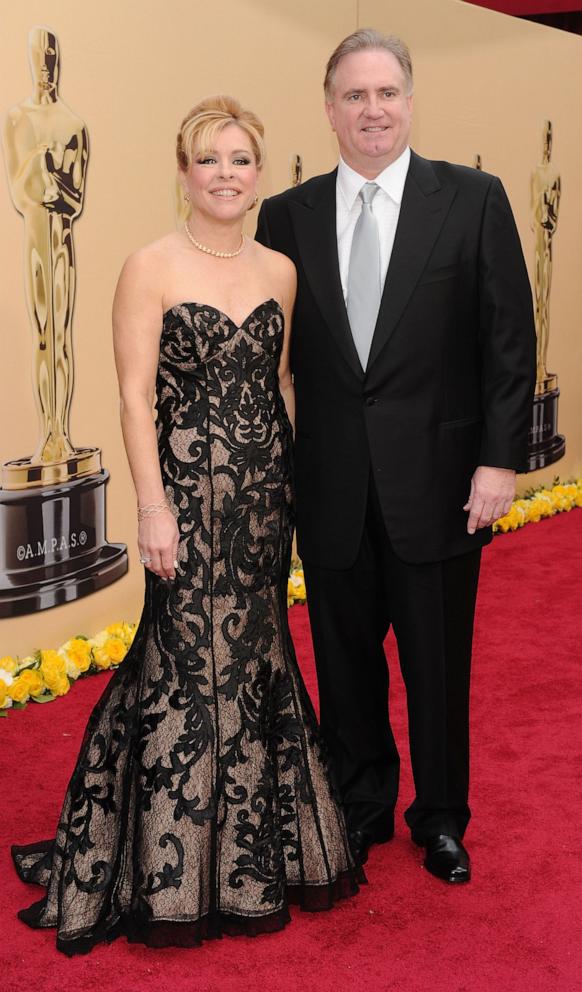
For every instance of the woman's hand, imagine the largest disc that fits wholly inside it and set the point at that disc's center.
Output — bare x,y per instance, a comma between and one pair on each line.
157,539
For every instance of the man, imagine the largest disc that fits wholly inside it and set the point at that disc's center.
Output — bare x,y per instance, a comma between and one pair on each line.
413,355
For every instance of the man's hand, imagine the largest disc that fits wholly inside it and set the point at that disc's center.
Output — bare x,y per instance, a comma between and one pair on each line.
491,496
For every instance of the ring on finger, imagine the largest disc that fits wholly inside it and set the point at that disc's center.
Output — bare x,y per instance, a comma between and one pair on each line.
144,560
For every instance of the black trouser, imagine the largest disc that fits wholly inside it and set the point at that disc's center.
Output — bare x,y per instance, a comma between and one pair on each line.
431,607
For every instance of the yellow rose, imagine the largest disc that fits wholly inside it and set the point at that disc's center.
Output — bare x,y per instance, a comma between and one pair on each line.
34,679
518,516
123,631
53,669
28,683
78,652
116,649
569,496
10,664
115,630
534,510
129,630
101,658
549,507
296,585
564,496
5,699
514,518
19,690
50,657
61,686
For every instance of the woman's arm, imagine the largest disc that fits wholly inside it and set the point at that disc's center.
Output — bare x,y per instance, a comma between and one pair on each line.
137,321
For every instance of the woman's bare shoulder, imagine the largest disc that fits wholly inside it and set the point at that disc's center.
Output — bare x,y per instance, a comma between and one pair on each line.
145,269
141,278
280,265
150,256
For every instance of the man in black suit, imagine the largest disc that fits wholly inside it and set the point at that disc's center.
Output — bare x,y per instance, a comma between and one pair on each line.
413,354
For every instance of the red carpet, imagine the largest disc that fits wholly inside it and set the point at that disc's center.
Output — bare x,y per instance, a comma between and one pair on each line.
516,928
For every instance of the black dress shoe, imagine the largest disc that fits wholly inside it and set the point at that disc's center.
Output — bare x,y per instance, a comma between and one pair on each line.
447,858
361,841
359,846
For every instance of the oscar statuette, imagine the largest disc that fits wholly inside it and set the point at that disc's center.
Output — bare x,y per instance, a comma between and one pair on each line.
53,547
296,170
545,445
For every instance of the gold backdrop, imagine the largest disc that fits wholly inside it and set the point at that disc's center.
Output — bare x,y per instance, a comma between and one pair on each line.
484,84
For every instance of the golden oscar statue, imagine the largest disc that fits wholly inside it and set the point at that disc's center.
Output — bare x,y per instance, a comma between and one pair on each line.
296,170
59,487
545,444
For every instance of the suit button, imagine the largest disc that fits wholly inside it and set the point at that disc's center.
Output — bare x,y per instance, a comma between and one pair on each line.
371,400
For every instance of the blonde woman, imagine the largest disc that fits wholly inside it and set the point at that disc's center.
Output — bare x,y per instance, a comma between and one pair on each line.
200,803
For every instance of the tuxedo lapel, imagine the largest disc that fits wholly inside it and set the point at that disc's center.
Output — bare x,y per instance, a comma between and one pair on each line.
425,204
314,223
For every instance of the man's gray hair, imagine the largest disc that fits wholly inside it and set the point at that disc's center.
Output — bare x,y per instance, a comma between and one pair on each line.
361,40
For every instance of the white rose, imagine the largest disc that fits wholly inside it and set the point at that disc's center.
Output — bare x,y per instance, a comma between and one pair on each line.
72,671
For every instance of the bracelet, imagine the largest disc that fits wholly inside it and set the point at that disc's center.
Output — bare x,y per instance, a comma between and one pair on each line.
152,509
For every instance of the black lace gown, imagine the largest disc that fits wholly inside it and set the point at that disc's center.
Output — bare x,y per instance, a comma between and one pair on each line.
200,803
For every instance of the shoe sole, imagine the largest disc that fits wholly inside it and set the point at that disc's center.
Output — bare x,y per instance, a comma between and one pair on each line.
448,880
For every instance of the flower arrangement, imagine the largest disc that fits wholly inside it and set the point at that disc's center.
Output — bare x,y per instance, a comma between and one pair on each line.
46,674
541,503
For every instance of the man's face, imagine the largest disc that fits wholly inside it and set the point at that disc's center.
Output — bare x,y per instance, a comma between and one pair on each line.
370,110
44,58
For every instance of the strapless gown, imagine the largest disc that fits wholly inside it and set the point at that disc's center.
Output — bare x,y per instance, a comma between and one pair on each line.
201,803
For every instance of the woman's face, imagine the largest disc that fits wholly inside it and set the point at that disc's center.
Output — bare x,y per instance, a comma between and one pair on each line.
222,183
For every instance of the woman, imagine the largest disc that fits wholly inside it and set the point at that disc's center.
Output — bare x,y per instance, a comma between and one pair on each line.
200,802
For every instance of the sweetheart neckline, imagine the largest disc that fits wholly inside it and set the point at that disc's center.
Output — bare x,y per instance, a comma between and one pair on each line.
208,306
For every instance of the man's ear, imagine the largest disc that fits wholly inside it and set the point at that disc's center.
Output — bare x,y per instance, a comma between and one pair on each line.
330,111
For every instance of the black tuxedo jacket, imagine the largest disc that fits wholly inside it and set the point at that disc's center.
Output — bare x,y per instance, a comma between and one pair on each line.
450,376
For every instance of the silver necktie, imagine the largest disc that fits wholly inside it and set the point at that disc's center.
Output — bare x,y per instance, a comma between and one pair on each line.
364,282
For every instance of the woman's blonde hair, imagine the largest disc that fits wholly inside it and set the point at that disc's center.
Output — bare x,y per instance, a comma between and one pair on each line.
207,119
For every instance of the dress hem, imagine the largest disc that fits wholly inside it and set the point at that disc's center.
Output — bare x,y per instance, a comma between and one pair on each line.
137,927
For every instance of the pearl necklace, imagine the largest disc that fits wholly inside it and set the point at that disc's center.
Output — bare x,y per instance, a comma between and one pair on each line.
212,251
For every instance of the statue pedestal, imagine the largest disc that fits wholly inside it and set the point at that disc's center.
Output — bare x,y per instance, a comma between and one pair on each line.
24,473
53,547
545,445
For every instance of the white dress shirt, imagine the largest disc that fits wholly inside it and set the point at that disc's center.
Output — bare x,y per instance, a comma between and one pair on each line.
385,207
